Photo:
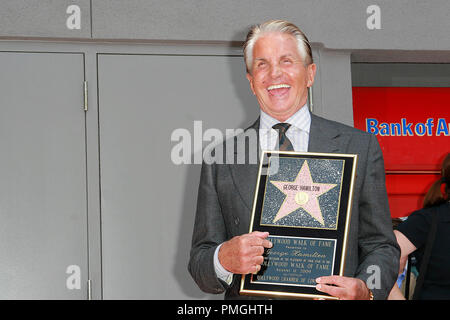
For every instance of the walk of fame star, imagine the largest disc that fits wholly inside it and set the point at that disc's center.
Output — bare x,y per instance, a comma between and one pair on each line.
302,193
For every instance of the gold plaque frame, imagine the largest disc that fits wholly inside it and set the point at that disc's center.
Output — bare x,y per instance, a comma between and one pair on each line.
305,245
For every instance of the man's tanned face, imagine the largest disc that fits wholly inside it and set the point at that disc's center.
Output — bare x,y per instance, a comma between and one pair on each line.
278,76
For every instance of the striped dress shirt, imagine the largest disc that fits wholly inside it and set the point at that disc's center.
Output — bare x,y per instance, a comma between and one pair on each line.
298,132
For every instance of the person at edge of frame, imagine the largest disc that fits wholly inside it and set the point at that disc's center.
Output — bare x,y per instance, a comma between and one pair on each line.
431,248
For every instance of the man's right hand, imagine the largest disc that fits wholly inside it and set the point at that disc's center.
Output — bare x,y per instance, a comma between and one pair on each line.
244,254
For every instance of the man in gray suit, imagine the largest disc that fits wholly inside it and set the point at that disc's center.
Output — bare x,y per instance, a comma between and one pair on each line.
280,70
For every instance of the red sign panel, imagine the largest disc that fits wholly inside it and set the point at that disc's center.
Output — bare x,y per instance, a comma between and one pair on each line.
412,127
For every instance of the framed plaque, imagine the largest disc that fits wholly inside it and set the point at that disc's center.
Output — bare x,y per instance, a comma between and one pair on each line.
304,201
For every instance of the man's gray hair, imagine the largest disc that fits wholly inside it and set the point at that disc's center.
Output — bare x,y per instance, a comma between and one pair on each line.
282,26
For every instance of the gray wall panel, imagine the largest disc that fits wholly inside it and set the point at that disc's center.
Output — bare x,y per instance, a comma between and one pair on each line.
42,18
43,227
337,24
148,203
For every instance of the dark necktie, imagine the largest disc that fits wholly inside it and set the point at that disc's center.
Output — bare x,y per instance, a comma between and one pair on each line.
284,142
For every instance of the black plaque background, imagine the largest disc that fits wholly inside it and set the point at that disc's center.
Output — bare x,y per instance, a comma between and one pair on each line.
278,290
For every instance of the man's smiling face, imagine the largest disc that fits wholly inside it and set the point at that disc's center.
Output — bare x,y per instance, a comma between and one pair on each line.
278,76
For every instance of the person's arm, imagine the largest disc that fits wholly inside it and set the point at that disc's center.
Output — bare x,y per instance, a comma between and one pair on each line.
223,274
209,232
396,294
406,248
244,254
213,257
344,288
240,255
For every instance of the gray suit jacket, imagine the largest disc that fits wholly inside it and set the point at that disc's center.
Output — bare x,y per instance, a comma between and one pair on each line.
225,199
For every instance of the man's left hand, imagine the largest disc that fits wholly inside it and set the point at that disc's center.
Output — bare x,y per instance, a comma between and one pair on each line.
344,288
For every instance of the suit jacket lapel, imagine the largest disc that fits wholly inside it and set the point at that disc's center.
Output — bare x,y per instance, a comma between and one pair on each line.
245,175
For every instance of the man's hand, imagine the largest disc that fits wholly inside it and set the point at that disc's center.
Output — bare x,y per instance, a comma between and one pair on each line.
343,288
244,254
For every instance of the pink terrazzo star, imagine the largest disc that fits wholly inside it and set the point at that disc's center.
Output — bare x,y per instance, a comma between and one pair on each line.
302,193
